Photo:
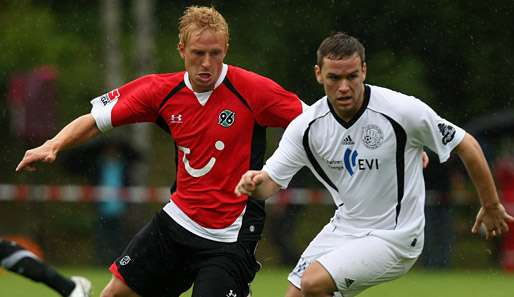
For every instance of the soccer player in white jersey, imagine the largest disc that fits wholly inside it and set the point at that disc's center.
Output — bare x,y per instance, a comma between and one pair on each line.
364,144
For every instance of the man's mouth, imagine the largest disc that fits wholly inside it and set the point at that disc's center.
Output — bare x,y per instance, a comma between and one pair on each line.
204,76
344,98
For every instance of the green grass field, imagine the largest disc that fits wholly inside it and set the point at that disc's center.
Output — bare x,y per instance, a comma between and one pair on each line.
272,282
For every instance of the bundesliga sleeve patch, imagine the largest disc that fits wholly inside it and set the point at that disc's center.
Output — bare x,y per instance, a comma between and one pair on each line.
109,97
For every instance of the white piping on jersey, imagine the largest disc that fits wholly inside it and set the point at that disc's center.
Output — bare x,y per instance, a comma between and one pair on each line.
204,170
203,97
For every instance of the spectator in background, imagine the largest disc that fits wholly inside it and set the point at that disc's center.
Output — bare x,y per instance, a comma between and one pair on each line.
111,176
15,258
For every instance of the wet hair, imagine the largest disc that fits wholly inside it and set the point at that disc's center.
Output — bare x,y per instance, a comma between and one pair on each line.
339,45
198,19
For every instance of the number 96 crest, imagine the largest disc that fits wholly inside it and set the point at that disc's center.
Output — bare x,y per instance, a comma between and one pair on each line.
226,118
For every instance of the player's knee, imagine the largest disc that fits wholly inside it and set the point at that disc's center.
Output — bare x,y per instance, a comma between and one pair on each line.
108,292
311,286
316,281
115,289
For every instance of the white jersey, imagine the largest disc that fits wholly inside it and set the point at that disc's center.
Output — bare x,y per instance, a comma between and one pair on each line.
371,165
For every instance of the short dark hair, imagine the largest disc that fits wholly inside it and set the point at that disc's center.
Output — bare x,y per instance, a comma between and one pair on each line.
340,45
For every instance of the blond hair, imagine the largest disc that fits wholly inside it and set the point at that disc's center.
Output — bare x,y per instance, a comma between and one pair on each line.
200,18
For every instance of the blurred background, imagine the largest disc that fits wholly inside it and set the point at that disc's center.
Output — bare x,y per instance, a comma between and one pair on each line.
56,56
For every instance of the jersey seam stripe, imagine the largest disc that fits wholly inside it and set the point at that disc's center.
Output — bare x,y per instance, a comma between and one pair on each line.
311,157
401,139
180,86
231,87
160,121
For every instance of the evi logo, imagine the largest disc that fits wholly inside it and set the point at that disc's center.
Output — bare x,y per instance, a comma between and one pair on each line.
352,164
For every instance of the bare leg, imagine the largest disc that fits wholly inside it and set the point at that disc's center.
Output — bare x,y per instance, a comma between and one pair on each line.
293,291
317,282
116,288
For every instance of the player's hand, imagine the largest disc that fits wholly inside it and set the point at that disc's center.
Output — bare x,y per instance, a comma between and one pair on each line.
493,219
44,153
425,159
249,182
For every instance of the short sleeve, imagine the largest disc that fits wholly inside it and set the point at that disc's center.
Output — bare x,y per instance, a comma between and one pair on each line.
133,102
289,157
438,134
272,105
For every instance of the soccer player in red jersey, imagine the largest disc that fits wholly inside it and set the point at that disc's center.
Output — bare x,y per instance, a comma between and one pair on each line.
216,114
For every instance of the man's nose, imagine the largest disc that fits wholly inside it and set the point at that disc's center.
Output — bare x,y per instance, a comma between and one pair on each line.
206,61
344,86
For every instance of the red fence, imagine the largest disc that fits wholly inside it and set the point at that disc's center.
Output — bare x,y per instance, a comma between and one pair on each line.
86,193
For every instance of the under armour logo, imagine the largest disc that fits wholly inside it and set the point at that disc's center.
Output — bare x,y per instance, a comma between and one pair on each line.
175,119
231,294
348,282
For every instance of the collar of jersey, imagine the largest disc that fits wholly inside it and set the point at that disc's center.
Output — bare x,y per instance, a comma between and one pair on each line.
223,73
203,97
367,95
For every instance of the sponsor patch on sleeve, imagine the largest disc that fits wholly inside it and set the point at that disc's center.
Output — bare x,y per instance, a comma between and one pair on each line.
447,132
109,97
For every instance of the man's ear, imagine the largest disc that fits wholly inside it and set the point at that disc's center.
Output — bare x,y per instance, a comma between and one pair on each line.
181,49
317,73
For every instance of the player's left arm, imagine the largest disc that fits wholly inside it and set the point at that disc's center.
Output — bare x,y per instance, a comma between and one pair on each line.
492,214
257,184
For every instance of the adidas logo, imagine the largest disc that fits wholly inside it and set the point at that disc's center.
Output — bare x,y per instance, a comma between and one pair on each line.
348,140
348,282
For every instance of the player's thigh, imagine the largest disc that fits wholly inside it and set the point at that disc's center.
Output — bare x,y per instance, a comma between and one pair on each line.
325,241
153,264
364,262
217,281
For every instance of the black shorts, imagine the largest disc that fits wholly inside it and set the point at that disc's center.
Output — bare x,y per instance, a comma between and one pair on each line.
164,259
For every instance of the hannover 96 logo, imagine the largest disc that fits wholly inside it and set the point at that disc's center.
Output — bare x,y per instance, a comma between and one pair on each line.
226,118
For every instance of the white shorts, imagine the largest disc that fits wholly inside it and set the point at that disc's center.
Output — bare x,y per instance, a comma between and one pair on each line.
354,263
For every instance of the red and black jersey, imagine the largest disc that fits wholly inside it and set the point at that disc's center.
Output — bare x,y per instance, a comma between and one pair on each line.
219,135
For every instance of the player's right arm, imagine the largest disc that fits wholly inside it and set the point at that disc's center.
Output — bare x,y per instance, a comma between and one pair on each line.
257,184
78,131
